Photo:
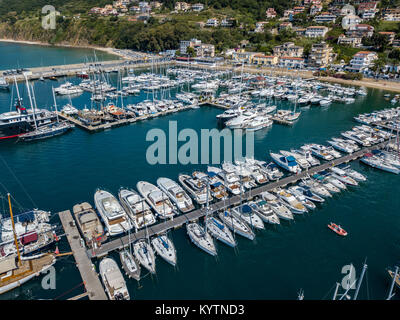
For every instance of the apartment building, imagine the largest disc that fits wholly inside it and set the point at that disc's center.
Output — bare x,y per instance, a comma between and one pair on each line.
213,22
263,60
362,61
391,14
291,62
316,31
288,49
367,10
325,17
321,55
349,41
270,13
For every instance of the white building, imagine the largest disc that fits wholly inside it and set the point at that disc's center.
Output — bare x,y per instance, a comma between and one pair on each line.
325,17
213,22
198,7
362,61
291,62
316,31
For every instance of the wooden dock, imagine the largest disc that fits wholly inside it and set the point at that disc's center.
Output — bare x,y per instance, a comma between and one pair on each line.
92,282
180,220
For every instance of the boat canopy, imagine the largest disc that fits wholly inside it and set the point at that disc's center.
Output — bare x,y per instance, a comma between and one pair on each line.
7,264
246,208
26,217
216,184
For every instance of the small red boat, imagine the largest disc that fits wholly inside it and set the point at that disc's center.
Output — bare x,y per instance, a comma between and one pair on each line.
338,229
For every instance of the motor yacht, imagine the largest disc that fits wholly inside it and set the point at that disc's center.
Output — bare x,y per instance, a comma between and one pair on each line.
177,195
113,280
196,188
281,210
288,163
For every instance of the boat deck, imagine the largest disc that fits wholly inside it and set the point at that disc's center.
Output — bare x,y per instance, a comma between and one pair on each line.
180,220
91,280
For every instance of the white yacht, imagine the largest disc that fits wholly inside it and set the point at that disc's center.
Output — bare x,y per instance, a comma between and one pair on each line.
307,154
113,280
318,151
220,231
113,215
303,163
130,265
308,194
315,187
196,188
201,238
165,248
288,163
175,192
157,199
291,202
145,254
343,145
342,176
137,208
264,210
297,192
279,209
236,225
379,163
246,213
352,173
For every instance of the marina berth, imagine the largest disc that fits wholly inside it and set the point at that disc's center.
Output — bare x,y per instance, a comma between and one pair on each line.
220,231
157,199
264,211
165,248
288,163
281,210
111,212
307,154
137,208
379,163
290,201
303,163
196,188
201,238
130,265
297,192
318,151
216,185
89,224
177,195
145,254
236,225
113,280
316,187
342,176
330,183
246,213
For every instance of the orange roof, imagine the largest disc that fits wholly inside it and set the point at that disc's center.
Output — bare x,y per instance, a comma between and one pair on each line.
292,58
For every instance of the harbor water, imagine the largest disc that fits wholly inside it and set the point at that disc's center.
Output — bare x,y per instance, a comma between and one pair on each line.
57,173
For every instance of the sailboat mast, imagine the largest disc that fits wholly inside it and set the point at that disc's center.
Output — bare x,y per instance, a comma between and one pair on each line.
360,281
30,100
13,226
55,103
390,296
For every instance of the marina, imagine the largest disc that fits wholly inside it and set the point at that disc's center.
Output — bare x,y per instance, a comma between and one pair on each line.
92,168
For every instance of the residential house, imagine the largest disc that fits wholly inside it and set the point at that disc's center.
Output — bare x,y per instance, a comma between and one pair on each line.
227,22
184,44
270,13
205,50
213,22
321,55
362,61
144,7
297,10
367,10
197,7
291,62
300,31
315,8
243,56
285,25
316,31
288,49
389,34
349,41
391,14
263,60
325,17
260,26
361,30
182,6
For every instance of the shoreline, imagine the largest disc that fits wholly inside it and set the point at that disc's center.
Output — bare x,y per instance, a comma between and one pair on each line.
39,43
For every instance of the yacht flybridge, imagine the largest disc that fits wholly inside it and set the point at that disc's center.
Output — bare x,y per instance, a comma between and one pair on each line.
157,199
113,215
196,188
175,192
288,163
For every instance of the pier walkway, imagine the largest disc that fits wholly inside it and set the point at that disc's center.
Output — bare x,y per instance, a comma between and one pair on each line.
92,282
180,220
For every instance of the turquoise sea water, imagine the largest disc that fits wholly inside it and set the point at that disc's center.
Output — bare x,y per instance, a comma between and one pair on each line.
60,172
17,55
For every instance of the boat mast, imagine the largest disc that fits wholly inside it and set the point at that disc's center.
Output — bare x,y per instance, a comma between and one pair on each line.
390,296
30,100
360,281
55,103
13,226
